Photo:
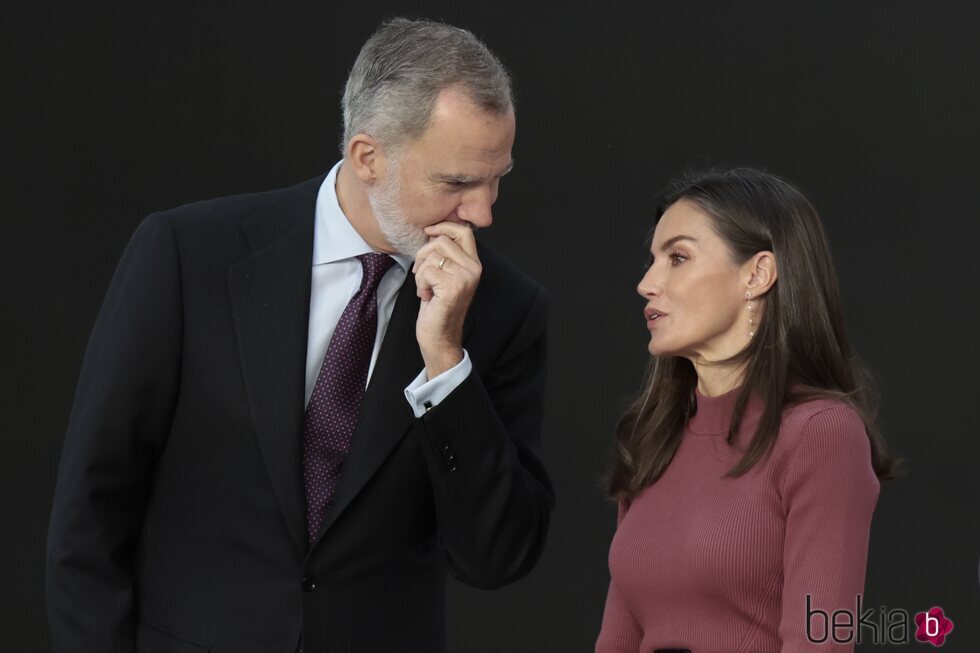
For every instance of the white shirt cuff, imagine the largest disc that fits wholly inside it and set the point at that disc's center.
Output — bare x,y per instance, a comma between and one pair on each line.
424,390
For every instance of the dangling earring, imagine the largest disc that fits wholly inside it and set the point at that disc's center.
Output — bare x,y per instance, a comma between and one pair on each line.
748,303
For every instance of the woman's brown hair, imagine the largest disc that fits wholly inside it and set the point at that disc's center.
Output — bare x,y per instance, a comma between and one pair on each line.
800,350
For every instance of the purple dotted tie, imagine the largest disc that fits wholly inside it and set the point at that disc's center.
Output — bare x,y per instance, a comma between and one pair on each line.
332,413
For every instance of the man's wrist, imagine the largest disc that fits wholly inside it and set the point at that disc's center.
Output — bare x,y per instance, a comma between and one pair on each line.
441,359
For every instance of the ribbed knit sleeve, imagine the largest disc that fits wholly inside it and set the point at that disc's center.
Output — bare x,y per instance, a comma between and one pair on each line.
620,631
829,491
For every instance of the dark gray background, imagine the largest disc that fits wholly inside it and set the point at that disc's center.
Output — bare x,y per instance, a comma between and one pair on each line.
114,110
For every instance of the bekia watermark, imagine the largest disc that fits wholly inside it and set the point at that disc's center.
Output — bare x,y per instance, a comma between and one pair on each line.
881,626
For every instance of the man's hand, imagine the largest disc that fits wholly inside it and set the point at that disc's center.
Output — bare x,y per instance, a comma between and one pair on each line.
447,272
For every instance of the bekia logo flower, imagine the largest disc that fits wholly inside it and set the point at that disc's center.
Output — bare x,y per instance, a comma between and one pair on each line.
932,626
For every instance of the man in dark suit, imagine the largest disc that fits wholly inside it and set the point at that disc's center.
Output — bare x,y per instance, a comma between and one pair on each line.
300,409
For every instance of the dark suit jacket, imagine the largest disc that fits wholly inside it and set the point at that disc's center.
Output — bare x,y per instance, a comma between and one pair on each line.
178,520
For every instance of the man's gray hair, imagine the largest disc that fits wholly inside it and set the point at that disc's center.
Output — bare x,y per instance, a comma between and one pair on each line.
401,70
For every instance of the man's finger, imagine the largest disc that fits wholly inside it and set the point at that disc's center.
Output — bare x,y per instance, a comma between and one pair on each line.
462,234
440,251
427,250
423,288
430,278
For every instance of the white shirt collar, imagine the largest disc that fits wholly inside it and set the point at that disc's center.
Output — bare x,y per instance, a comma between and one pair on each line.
334,238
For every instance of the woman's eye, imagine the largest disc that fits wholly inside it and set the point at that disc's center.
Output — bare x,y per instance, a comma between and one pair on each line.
677,258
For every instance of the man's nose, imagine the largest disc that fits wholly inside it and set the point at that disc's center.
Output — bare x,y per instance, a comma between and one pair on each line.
475,208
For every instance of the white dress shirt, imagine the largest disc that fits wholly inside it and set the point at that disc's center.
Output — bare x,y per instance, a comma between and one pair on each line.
337,276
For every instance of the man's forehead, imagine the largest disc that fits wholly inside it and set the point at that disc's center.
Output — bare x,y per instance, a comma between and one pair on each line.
460,122
465,143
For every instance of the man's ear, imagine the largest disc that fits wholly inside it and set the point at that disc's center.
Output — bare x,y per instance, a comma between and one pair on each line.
760,273
365,158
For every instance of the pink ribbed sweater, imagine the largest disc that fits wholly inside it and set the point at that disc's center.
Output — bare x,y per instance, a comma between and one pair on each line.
724,565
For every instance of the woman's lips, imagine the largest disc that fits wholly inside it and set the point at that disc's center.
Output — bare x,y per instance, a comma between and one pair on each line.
653,316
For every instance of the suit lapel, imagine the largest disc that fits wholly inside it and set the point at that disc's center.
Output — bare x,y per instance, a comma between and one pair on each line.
385,415
270,298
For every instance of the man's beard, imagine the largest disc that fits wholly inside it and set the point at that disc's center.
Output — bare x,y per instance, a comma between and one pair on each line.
403,236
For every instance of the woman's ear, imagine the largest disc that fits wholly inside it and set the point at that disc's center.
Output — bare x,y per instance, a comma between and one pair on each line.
760,273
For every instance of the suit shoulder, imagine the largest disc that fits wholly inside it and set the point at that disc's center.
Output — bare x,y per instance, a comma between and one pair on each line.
232,210
503,278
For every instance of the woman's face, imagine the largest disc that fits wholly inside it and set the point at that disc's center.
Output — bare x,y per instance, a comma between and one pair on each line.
695,292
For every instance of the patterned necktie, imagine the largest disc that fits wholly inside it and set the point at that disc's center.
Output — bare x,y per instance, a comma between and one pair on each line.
332,413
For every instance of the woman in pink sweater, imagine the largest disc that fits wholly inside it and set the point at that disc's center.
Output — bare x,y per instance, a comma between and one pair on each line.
748,468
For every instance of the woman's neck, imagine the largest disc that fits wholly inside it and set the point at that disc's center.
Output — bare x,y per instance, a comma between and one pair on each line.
715,380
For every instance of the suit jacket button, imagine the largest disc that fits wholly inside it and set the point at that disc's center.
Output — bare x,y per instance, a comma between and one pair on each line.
444,447
451,467
308,583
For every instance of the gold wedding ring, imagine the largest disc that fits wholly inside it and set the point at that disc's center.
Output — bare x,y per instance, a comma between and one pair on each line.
442,262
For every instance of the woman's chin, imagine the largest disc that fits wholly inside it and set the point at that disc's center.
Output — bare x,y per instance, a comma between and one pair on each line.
657,348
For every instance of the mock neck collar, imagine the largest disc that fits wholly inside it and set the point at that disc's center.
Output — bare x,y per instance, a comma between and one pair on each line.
714,414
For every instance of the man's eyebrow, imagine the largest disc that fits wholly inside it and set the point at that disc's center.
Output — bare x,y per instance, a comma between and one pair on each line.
459,179
469,179
673,241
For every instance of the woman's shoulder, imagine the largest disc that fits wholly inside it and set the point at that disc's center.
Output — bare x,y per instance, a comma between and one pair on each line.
821,422
823,443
